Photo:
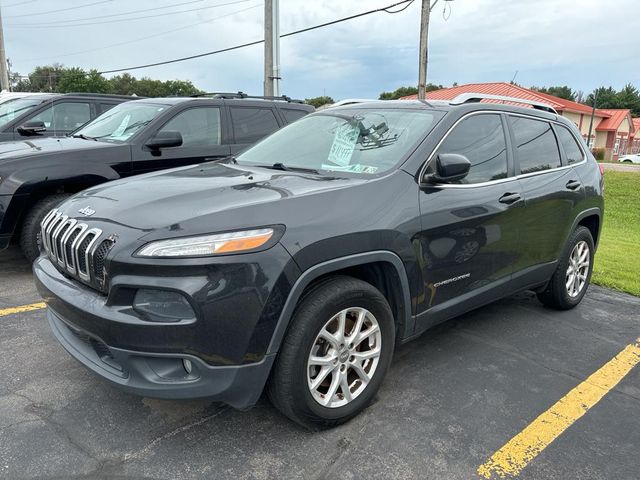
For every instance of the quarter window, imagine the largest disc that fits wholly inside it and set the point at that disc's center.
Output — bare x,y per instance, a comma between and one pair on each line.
571,149
252,124
481,139
64,116
291,115
199,127
535,144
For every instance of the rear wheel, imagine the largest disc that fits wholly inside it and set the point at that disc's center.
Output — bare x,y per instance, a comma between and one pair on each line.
337,351
30,234
573,273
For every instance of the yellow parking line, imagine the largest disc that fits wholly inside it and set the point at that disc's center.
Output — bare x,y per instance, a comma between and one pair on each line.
525,446
24,308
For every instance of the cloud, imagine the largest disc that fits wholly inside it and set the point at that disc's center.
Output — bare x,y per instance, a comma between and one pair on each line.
582,44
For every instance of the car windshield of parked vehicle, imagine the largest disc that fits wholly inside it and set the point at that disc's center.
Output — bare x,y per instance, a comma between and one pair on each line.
121,122
360,141
16,107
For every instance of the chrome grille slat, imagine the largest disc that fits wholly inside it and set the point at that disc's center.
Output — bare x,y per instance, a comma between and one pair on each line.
72,245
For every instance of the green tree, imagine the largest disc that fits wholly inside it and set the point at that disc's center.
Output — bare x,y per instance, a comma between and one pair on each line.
45,78
563,91
319,101
77,80
629,97
405,91
606,98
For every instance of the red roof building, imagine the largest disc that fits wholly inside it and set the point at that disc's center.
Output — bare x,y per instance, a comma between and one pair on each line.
612,130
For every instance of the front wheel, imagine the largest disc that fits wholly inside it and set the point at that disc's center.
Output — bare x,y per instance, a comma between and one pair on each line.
573,273
335,355
30,233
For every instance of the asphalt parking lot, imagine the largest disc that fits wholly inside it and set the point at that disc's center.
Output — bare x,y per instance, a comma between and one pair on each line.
452,399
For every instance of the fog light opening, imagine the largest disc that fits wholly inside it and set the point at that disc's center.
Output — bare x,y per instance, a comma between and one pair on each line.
188,367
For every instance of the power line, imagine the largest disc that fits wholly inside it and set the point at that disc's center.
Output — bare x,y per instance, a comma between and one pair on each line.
18,4
58,25
161,34
56,11
111,15
248,44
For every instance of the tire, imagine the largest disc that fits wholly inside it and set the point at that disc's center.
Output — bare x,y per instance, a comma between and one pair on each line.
30,232
289,388
558,295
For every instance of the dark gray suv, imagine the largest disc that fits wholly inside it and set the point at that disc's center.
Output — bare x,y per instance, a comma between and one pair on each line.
300,264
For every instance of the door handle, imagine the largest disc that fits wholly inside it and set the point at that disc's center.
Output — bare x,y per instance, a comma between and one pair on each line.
573,184
510,198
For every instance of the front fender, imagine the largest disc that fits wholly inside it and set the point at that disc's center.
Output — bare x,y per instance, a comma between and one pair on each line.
335,265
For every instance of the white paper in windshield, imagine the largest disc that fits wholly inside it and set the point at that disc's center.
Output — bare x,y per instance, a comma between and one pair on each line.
122,127
344,143
357,168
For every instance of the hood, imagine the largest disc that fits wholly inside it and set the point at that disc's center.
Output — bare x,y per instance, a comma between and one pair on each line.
44,146
185,200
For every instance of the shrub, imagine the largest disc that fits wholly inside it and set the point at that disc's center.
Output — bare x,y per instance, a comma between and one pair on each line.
598,153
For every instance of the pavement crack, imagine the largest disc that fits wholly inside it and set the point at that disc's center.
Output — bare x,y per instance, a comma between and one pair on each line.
344,446
146,449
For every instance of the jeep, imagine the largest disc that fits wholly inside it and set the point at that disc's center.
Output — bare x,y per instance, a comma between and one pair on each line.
299,266
129,139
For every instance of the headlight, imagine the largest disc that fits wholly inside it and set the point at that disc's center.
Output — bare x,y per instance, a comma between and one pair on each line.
206,245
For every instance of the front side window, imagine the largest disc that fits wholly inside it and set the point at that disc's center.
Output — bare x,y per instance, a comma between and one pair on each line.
291,115
16,107
252,124
481,139
535,144
64,116
570,146
199,127
353,141
122,121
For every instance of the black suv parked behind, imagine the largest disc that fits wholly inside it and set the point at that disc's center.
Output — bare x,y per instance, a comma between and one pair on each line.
134,137
49,115
301,264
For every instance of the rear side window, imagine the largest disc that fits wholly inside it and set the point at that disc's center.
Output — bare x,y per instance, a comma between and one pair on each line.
252,124
481,139
535,144
103,107
570,146
291,115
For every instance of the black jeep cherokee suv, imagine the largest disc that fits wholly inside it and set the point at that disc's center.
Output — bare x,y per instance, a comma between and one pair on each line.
304,261
134,137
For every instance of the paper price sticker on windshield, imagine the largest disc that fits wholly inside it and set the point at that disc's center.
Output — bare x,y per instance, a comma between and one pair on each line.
343,145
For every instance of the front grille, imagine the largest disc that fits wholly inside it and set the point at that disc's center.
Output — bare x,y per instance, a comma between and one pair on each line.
75,248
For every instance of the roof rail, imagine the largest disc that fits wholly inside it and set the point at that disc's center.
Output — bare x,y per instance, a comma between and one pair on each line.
477,97
232,95
105,95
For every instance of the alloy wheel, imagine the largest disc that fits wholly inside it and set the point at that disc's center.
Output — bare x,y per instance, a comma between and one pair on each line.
344,357
578,269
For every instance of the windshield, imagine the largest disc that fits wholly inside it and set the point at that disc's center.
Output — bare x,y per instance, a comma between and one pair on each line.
362,141
121,122
16,107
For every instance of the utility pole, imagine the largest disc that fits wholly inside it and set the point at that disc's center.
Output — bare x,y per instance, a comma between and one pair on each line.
593,113
272,48
424,50
4,73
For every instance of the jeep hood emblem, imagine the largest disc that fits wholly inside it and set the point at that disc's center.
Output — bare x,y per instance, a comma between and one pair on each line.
88,211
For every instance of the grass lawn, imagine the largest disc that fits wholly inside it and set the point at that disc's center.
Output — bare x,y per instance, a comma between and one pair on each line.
617,263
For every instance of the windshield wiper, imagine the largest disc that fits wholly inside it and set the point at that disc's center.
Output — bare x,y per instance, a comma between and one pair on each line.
283,167
84,137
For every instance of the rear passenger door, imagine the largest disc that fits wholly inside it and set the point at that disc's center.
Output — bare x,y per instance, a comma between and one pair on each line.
203,140
470,229
250,124
551,190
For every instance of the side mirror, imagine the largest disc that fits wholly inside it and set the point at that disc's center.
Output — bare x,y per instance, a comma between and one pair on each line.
32,128
449,168
166,139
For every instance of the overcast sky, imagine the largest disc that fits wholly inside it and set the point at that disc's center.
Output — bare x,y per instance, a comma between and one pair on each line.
583,44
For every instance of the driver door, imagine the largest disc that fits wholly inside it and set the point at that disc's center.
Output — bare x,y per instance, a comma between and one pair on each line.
469,238
203,140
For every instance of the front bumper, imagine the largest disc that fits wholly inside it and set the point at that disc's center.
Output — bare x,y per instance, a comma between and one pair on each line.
226,344
163,375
